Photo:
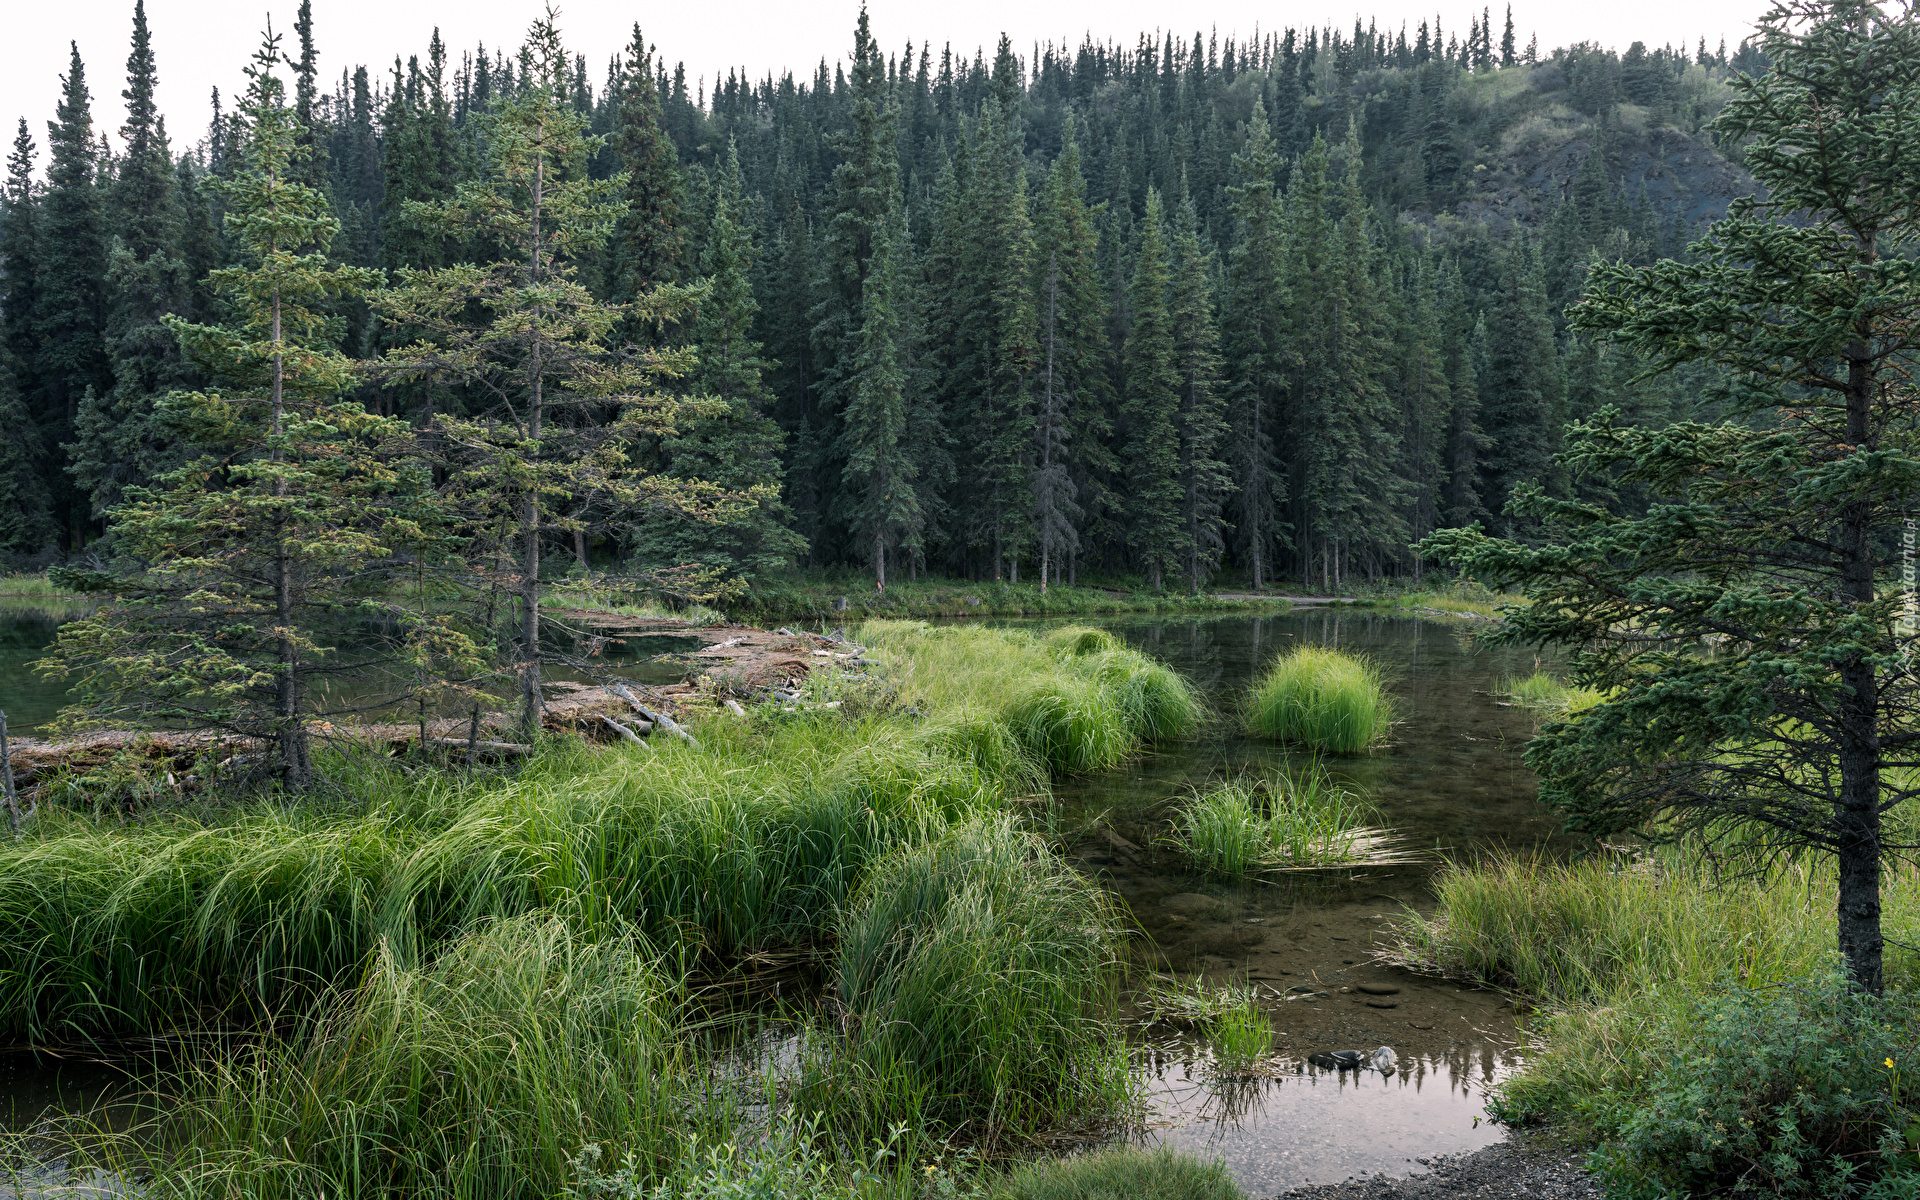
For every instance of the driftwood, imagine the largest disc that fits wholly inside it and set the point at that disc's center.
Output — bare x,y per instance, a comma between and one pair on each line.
624,732
509,749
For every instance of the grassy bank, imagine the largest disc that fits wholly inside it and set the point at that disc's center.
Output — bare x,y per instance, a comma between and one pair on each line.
1619,955
818,598
469,981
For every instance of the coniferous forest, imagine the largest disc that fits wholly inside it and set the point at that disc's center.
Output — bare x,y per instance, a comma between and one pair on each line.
1176,310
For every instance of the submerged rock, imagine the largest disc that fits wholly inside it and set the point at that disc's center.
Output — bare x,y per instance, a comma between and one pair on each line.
1383,1060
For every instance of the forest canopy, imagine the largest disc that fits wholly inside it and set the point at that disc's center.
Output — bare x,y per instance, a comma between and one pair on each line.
1277,307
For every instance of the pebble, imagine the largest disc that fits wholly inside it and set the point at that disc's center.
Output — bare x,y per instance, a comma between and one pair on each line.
1512,1170
1378,989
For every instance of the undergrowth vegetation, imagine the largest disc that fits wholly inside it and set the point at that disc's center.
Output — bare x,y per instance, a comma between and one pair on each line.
470,980
1327,700
1646,970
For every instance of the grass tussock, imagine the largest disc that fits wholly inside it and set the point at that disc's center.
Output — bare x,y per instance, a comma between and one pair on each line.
1543,691
1296,821
1616,952
1327,700
1241,1036
1125,1173
1074,700
480,1074
975,984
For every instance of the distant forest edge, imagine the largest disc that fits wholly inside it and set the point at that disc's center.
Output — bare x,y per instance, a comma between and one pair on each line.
1273,308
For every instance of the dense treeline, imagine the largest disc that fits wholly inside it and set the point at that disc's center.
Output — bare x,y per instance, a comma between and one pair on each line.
1278,307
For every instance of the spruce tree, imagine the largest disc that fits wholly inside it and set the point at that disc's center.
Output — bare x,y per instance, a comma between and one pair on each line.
1256,350
649,245
70,301
1150,407
864,192
1520,387
1074,409
885,504
550,454
1749,630
26,504
1205,480
737,446
251,545
1426,400
119,440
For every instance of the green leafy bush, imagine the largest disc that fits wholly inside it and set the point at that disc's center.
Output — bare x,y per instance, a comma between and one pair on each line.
1785,1091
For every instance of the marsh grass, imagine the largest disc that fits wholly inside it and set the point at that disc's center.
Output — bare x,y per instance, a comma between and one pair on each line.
600,598
975,983
1073,699
1327,700
1613,950
1240,1036
34,587
437,984
1541,690
1298,820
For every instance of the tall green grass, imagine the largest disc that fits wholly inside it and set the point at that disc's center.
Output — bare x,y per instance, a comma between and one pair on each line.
750,841
1614,952
1302,819
1541,690
1073,699
482,1073
1327,700
753,840
975,981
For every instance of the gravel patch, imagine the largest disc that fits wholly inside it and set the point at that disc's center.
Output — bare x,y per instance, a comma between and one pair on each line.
1508,1171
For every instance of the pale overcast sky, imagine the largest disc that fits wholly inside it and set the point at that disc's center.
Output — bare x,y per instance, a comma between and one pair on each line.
201,44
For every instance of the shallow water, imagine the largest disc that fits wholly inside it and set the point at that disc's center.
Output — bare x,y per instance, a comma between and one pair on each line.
1451,782
1301,1125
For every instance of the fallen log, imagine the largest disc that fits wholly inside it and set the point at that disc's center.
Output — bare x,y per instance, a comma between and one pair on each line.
624,732
509,749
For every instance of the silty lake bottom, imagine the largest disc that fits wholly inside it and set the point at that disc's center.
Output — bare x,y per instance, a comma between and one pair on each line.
1451,783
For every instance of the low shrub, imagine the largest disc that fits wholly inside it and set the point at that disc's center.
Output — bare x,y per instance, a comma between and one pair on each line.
1122,1173
1326,700
1782,1091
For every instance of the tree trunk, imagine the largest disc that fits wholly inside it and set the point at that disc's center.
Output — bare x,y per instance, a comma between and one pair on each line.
1856,818
530,698
292,733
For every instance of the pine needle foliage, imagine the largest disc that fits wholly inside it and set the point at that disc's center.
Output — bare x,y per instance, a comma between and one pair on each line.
256,544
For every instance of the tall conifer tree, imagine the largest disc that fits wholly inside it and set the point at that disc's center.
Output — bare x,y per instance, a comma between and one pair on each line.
1205,480
118,439
70,302
1256,349
1150,407
276,524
